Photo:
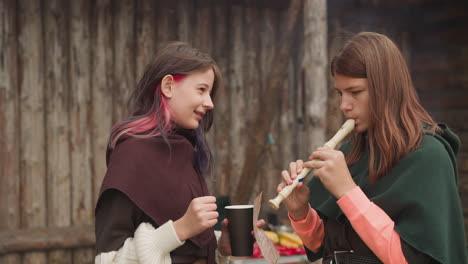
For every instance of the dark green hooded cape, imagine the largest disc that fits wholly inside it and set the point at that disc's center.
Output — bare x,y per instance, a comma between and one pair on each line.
419,194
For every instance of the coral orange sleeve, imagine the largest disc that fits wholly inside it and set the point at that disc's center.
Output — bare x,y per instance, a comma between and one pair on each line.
373,225
310,230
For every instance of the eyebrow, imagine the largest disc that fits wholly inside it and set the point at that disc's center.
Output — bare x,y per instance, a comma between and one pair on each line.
349,87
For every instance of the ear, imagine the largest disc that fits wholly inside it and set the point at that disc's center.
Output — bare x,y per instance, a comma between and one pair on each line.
166,85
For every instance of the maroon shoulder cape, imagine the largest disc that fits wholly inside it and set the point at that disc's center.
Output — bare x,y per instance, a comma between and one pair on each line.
160,179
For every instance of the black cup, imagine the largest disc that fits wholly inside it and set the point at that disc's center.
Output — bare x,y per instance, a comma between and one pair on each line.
240,228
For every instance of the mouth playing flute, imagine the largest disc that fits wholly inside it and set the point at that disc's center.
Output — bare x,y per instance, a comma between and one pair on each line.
344,131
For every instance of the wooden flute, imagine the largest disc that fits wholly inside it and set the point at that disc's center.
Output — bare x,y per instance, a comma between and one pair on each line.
345,129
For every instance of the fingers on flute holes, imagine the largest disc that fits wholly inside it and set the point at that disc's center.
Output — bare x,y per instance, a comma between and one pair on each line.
293,169
299,166
286,177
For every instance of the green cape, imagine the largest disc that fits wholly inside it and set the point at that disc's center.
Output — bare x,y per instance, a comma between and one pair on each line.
419,194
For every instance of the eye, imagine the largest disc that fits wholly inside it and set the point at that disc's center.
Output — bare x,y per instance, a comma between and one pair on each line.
339,93
356,92
202,89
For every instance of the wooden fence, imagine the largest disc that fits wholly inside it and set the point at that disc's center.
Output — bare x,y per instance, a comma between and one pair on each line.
66,69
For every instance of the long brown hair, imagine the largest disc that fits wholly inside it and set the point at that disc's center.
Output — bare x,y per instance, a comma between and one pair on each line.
150,114
396,115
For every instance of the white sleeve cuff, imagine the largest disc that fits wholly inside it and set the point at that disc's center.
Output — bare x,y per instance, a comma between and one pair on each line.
156,244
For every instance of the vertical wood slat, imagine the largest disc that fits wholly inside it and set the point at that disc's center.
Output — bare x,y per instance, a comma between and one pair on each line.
202,30
237,114
166,23
314,68
145,35
268,34
9,118
221,148
256,143
57,139
334,115
102,76
253,90
124,50
80,121
32,130
185,13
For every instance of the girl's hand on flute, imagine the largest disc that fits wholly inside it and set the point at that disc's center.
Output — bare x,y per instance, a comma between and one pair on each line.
224,246
330,167
297,203
200,215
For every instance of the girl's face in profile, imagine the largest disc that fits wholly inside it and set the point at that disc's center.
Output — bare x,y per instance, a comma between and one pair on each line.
190,98
354,95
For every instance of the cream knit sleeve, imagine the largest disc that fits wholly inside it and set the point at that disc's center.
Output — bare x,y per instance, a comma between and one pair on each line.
149,245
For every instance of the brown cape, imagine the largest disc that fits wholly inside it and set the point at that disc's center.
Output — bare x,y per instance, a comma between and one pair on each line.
160,179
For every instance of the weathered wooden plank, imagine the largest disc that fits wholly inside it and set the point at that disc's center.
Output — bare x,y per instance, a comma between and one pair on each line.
283,133
166,29
9,118
32,130
124,71
236,91
315,70
185,14
255,145
289,106
221,148
42,239
252,94
145,35
203,25
57,140
203,40
335,117
102,82
80,120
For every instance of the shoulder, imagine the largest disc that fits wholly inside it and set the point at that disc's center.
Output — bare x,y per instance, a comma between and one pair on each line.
429,161
138,146
431,147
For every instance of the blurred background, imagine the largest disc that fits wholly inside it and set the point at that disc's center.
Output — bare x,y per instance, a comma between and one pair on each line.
66,69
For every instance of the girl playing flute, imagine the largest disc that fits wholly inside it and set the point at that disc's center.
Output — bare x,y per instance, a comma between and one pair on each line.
389,195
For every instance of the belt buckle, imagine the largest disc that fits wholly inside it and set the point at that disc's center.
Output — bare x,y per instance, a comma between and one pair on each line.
338,252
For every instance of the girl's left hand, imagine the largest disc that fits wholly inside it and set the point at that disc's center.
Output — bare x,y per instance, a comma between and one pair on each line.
224,246
330,167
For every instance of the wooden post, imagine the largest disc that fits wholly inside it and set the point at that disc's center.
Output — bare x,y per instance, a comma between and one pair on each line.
9,120
58,127
315,71
80,112
32,130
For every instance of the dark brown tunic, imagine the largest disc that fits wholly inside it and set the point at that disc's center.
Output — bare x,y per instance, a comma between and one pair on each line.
148,180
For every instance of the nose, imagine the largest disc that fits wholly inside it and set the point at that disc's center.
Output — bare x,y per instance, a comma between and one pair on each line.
208,103
345,105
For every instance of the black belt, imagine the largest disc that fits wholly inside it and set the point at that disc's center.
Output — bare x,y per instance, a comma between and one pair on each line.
187,259
349,257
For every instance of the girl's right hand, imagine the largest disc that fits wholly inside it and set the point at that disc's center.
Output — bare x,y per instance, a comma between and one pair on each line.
200,215
297,203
